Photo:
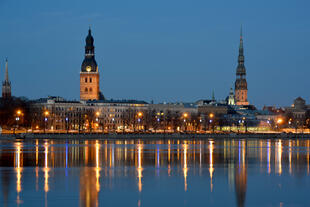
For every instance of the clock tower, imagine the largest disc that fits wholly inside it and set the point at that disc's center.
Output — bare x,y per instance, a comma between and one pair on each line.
89,75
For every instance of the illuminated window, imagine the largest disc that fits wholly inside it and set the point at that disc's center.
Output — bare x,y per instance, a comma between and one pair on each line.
85,80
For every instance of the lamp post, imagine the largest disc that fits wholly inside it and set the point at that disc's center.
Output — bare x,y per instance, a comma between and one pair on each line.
211,116
46,113
185,116
158,122
245,124
18,114
97,118
140,116
67,124
279,122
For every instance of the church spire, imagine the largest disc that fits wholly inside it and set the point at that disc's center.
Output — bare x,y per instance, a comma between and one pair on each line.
241,68
213,96
6,85
6,71
241,42
241,86
89,47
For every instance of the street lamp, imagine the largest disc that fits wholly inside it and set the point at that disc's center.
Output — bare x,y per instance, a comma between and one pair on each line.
211,116
67,123
185,116
245,124
97,118
46,114
279,122
140,115
113,122
18,114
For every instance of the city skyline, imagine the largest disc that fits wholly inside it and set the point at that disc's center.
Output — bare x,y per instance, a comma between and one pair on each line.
149,76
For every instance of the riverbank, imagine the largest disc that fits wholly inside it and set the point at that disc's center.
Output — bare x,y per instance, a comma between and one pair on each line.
158,136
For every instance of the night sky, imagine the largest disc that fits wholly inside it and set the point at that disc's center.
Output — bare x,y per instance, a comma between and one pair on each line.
163,50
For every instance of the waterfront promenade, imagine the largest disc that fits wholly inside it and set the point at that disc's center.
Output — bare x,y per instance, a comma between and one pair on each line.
157,136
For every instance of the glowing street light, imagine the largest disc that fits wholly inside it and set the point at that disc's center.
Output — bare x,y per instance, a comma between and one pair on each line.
279,122
18,114
46,114
140,115
185,115
211,116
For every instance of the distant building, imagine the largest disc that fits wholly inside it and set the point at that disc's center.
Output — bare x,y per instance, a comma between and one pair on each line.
298,110
213,108
6,85
89,75
241,86
180,108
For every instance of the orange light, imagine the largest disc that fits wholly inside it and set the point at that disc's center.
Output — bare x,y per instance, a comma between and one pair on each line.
280,121
19,112
140,114
185,115
97,113
211,115
46,113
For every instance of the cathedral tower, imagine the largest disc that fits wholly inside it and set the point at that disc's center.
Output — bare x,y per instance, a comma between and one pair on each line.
6,85
241,86
89,75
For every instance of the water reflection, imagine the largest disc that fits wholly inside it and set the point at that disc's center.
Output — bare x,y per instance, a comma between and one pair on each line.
139,168
102,163
241,174
211,169
18,168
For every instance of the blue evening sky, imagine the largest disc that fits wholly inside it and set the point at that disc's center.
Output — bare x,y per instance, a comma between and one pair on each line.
163,50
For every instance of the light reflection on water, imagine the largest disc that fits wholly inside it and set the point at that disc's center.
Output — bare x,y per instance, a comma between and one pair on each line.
154,172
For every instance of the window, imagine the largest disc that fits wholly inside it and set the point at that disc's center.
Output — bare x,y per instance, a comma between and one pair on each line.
90,80
85,80
86,90
90,89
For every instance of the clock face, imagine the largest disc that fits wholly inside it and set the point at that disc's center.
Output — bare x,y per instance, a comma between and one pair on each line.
88,68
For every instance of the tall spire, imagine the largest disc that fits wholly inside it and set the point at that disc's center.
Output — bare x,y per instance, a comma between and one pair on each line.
241,86
241,45
6,85
241,68
6,71
213,96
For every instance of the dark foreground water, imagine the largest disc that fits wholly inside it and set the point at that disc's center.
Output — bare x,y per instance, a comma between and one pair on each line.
155,173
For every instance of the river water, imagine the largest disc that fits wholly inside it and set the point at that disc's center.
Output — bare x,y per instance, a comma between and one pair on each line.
210,172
